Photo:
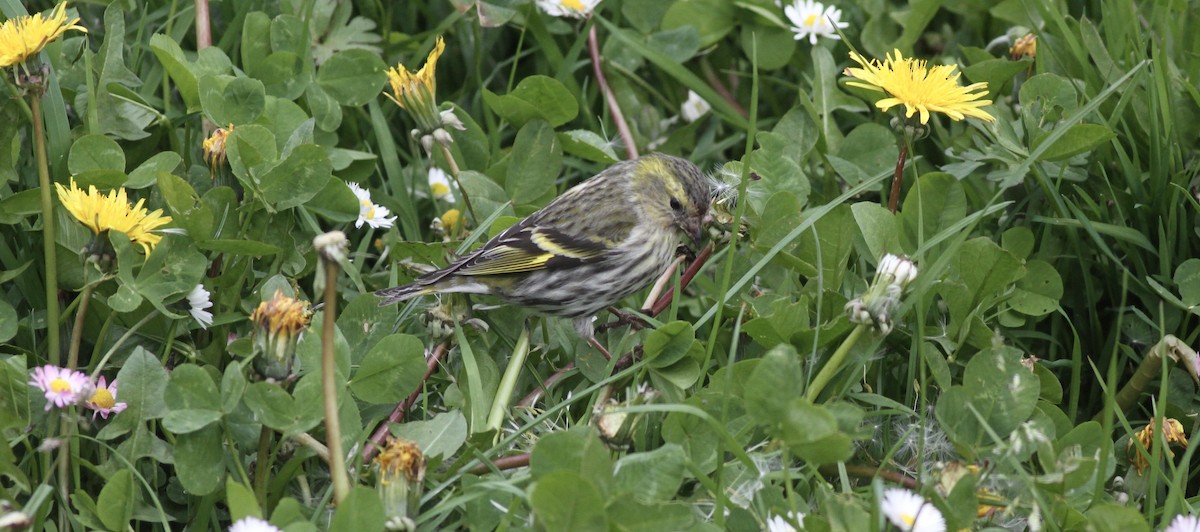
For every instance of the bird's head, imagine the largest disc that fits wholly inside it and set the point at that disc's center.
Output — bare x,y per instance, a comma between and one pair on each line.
672,192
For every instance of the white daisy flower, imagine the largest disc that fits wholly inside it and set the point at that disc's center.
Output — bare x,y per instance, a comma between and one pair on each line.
694,108
568,8
200,301
253,524
439,184
812,19
369,213
911,512
1184,523
777,523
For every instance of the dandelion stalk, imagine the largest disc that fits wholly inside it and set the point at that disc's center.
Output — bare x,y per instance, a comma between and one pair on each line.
454,175
898,178
77,331
331,248
509,381
835,363
51,263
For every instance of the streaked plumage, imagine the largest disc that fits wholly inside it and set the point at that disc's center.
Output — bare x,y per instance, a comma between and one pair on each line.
598,242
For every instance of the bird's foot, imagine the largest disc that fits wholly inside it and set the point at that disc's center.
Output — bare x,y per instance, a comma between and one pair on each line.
625,318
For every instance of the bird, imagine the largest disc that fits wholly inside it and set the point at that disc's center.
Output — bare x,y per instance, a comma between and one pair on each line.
600,241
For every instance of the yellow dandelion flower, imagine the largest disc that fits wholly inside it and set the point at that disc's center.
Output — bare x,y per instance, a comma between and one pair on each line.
416,92
921,89
1172,432
452,220
102,213
1024,47
23,37
214,146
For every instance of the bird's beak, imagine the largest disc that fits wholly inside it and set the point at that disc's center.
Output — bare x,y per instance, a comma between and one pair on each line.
692,227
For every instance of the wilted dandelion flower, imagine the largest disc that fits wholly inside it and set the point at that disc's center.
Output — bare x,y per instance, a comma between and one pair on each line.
439,185
23,37
102,213
911,512
416,92
253,524
280,321
400,473
214,146
813,20
568,8
1024,47
369,213
199,301
62,387
694,108
921,89
104,399
1172,432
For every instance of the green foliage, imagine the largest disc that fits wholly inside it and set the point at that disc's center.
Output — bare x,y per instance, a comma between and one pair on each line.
1008,383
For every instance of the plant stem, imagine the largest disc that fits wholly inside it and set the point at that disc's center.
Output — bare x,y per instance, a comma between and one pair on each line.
688,274
834,364
614,108
503,463
261,468
51,264
509,381
203,25
333,431
376,441
454,174
112,350
77,330
898,178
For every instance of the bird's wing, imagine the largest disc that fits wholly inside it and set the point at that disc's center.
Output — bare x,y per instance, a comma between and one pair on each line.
526,248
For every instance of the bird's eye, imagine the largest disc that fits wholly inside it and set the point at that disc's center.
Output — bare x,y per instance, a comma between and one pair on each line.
675,205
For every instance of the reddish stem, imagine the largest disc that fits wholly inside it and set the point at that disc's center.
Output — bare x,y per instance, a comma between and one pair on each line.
721,89
868,472
614,108
503,463
376,441
688,274
203,25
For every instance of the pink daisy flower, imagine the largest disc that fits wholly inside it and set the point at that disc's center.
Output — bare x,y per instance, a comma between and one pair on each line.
104,400
63,387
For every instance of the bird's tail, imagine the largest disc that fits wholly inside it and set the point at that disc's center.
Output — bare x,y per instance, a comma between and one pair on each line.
397,294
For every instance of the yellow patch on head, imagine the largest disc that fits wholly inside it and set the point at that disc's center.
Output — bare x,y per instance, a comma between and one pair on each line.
573,4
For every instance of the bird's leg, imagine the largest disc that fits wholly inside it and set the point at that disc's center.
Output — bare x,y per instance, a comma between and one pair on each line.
625,318
583,326
596,343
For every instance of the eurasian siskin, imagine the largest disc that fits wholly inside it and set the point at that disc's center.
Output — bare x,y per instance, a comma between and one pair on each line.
598,242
